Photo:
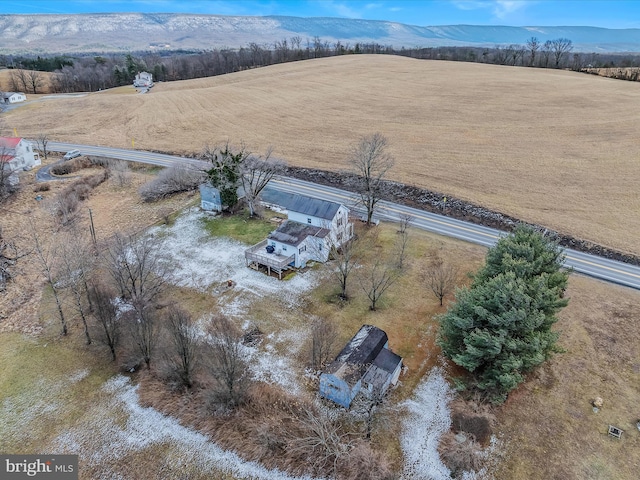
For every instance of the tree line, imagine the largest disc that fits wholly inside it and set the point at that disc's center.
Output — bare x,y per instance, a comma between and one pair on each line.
98,72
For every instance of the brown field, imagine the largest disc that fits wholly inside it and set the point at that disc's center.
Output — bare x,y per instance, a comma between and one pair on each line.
6,84
553,147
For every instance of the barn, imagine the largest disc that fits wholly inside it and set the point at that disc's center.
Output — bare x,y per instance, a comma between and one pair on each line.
364,365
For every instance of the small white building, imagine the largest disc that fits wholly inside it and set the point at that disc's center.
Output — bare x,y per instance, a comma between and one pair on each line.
144,80
17,154
312,229
12,97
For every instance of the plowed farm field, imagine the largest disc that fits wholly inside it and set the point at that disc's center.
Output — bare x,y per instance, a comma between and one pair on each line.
552,147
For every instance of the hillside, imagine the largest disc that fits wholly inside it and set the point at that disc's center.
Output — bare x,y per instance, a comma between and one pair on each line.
552,147
112,32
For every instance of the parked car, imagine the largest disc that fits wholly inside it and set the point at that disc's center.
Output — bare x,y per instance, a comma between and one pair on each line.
71,154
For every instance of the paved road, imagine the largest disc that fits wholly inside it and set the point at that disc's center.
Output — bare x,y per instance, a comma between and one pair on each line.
592,265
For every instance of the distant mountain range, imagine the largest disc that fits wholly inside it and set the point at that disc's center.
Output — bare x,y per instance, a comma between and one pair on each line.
117,32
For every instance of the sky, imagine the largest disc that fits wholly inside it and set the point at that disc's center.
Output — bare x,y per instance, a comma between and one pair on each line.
596,13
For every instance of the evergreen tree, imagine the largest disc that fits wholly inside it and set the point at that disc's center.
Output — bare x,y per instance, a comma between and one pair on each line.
500,327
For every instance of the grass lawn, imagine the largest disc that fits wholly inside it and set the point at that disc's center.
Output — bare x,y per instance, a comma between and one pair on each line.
242,227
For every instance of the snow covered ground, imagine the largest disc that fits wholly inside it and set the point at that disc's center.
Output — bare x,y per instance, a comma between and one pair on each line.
103,440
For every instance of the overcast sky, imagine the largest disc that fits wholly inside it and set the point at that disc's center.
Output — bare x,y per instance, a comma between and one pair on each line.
597,13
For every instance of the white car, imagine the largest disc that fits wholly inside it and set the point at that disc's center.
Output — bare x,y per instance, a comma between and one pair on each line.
71,154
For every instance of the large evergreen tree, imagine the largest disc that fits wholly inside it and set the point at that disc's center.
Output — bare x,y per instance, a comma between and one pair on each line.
500,327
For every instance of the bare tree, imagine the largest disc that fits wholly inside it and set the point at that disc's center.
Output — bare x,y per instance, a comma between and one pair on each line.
8,180
34,80
227,364
105,316
42,141
403,239
9,256
347,259
533,45
321,440
376,280
19,80
560,47
143,325
371,162
120,172
256,173
49,260
75,265
137,267
441,278
546,53
182,354
323,339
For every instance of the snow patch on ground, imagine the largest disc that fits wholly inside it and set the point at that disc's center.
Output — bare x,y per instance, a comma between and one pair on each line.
40,401
427,420
144,427
202,262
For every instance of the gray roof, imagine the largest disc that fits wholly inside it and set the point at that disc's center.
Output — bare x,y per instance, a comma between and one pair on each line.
357,355
382,368
293,233
313,207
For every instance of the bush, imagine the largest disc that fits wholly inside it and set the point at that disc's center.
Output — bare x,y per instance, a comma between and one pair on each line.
66,202
42,187
460,456
170,181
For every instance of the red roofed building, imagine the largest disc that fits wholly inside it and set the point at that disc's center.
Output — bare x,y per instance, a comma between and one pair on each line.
17,154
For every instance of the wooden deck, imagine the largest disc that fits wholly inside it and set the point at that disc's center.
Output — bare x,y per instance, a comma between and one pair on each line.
257,255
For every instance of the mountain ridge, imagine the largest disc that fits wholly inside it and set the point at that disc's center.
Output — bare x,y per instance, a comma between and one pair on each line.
118,32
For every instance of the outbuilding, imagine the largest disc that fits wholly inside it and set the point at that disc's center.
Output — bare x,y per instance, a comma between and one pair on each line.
364,365
12,97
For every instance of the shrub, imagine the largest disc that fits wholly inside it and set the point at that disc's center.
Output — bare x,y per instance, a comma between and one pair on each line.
460,456
170,181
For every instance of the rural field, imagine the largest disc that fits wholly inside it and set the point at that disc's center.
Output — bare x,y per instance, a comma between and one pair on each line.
552,147
57,394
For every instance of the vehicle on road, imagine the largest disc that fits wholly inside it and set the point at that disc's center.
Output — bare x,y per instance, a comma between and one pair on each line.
71,154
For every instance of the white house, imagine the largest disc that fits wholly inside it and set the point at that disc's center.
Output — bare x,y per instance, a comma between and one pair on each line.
17,154
312,229
12,97
143,79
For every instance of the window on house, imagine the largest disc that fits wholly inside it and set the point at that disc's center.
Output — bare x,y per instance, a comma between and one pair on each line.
308,220
284,249
339,236
339,221
302,249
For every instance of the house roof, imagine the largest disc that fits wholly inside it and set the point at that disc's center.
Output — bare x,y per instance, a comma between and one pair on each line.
357,355
9,142
294,233
382,368
313,207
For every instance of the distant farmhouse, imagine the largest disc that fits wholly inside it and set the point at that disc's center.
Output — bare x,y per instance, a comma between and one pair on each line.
143,80
364,365
12,97
17,154
312,229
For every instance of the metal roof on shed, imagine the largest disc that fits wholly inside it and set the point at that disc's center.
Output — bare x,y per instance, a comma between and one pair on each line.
313,207
357,355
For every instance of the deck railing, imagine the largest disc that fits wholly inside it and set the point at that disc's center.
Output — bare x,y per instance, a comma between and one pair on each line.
257,253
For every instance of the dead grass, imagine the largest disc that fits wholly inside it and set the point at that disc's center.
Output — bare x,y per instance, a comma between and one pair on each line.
547,427
549,424
553,147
